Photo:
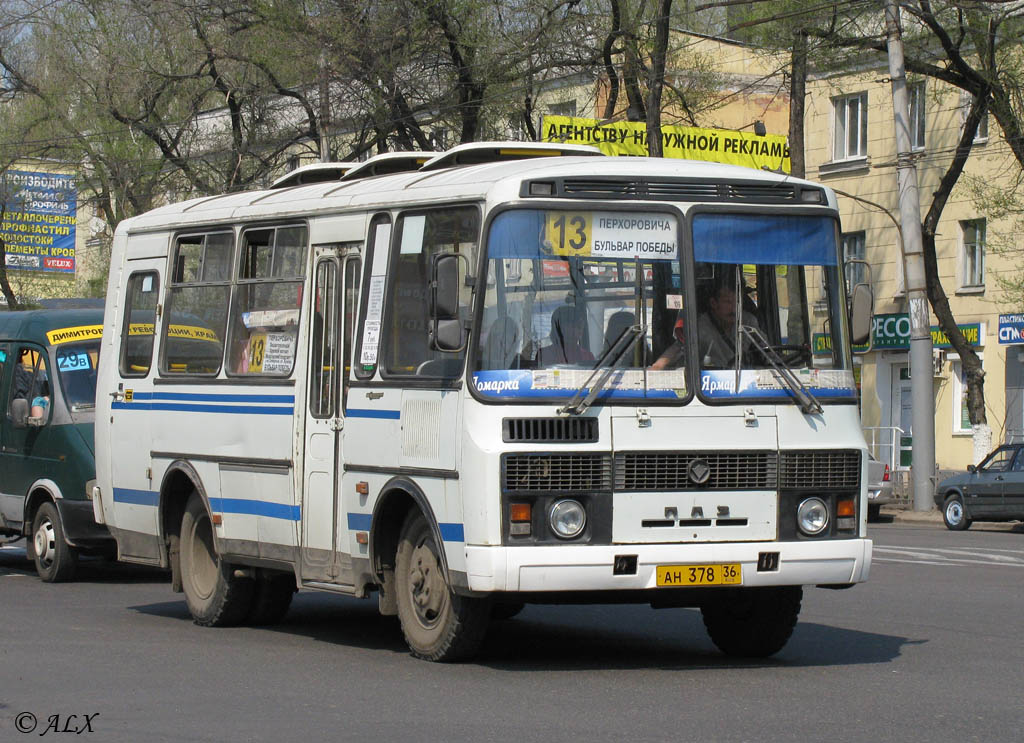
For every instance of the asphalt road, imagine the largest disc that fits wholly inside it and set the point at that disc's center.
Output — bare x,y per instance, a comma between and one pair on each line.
930,649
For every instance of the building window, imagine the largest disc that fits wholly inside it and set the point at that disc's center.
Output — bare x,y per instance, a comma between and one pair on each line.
973,232
917,106
961,419
851,126
965,106
853,250
565,108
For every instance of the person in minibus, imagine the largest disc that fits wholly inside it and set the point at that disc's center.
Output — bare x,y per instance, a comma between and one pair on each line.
568,338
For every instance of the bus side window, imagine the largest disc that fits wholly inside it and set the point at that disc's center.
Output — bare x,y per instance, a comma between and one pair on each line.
31,383
197,304
139,328
268,297
322,367
420,237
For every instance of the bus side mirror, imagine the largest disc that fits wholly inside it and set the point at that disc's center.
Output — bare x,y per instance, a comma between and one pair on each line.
446,331
861,310
19,412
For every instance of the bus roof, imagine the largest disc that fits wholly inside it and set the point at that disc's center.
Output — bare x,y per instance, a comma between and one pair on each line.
35,325
493,181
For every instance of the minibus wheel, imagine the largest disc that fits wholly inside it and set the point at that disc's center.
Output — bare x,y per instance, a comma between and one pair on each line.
215,596
752,622
56,561
438,624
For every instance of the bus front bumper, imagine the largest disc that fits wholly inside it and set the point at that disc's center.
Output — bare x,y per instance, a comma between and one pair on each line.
591,568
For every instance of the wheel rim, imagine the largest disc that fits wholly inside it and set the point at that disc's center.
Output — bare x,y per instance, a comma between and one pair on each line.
46,543
203,572
427,588
954,512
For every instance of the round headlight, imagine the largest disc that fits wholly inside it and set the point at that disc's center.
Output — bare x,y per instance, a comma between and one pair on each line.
567,518
812,516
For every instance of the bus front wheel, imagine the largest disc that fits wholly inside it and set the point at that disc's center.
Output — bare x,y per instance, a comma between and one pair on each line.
215,596
56,561
438,625
753,622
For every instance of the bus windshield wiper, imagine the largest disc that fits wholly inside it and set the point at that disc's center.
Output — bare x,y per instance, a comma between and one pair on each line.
605,367
808,402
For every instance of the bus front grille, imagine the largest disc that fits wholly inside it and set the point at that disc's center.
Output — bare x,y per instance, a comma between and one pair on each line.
820,470
549,430
580,472
745,470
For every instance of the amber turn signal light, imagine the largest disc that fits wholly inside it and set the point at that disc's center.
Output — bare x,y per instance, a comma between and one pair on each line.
519,512
846,507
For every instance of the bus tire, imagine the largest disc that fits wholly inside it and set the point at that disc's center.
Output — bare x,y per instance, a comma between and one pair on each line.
438,624
56,561
753,622
215,596
271,598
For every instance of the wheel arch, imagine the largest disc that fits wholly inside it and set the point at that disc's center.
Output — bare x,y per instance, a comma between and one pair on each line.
398,497
41,491
179,481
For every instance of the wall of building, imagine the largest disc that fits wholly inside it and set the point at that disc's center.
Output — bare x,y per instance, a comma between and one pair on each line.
871,176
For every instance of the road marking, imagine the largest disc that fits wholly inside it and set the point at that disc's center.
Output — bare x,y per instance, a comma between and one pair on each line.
948,556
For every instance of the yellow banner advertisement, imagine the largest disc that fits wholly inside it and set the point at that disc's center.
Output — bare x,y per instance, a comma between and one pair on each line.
769,151
175,331
81,333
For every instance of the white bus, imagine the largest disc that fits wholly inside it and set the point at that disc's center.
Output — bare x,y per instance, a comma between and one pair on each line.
516,374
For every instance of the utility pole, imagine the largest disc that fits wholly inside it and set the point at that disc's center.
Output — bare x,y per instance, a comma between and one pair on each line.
325,110
922,392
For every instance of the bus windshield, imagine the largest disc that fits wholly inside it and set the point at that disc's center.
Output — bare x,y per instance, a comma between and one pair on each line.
563,287
769,295
76,368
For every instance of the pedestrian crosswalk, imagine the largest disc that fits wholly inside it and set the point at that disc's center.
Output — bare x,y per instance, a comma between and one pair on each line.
949,556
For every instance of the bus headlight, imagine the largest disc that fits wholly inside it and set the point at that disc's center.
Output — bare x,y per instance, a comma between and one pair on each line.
812,516
567,518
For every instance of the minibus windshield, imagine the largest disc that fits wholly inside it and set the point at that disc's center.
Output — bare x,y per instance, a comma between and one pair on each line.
76,369
770,307
562,287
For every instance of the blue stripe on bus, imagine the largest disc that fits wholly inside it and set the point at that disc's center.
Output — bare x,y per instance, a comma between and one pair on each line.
185,407
452,532
211,397
363,413
359,521
449,532
256,508
136,497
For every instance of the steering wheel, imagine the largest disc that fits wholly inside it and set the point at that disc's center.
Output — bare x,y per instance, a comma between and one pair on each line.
791,353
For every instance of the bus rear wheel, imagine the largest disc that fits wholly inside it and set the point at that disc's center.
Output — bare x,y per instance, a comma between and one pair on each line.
753,622
215,596
438,624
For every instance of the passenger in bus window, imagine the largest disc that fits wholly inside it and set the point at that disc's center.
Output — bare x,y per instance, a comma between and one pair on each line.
501,351
716,328
675,355
568,338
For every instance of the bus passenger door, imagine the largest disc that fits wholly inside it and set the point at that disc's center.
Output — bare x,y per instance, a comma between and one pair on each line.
335,288
135,490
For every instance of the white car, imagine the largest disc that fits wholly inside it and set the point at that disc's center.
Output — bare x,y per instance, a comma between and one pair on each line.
879,487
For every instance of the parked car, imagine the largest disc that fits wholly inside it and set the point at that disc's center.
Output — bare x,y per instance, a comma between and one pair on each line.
47,461
879,487
992,491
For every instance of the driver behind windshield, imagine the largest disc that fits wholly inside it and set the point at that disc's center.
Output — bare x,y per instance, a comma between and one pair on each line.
716,327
